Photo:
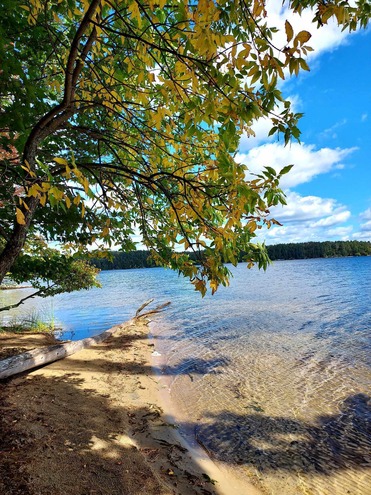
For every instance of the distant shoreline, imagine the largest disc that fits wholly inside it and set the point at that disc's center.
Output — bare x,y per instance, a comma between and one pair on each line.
278,252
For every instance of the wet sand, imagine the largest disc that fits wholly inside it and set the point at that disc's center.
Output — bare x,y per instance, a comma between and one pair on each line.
289,425
93,423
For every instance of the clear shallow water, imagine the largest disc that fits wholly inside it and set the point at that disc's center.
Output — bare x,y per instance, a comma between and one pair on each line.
272,374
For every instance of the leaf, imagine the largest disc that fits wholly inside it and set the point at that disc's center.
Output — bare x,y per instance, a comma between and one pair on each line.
271,171
303,64
61,161
302,37
135,12
273,131
105,232
289,31
213,286
20,217
285,170
34,190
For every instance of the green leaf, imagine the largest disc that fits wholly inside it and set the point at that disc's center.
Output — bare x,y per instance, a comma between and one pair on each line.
285,170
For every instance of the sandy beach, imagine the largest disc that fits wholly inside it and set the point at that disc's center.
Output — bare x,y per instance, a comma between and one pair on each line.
93,423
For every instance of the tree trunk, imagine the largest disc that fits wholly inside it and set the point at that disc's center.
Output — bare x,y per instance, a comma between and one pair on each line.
46,126
17,239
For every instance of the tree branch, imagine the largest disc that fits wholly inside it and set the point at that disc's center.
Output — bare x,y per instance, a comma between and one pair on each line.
12,306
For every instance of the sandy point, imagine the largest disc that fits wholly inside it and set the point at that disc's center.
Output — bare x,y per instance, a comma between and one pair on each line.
94,423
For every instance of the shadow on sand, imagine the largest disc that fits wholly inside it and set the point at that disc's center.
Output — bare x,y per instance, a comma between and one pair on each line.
92,449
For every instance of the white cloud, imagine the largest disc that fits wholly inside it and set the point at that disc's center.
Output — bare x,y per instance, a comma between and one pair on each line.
341,216
305,233
330,132
261,129
365,236
316,212
308,162
303,208
341,233
366,215
366,226
364,232
364,117
308,218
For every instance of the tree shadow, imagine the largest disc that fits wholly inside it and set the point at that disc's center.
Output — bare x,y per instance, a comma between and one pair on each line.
59,438
330,443
71,438
124,342
190,367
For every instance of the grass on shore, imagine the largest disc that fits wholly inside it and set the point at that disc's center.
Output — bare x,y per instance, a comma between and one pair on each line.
33,323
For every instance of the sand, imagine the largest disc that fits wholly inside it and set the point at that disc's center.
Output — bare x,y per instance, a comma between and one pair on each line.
93,423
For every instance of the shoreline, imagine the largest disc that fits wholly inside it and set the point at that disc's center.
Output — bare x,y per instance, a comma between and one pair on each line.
228,483
92,423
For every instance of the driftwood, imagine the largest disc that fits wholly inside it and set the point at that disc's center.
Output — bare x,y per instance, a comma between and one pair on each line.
155,310
45,355
144,305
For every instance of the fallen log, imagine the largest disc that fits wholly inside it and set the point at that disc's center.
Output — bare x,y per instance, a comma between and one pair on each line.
44,355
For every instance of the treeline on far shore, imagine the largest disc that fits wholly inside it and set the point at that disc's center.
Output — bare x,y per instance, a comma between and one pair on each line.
327,249
292,251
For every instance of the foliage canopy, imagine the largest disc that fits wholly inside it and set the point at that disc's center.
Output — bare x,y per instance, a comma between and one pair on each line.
119,116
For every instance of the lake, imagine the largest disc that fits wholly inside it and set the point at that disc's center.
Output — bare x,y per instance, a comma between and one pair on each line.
271,375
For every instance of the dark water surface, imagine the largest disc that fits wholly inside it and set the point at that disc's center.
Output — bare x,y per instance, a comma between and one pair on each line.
271,374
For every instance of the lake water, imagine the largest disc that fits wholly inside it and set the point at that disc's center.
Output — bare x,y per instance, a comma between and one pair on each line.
272,375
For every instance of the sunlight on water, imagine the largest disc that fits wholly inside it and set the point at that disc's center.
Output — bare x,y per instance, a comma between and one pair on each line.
272,375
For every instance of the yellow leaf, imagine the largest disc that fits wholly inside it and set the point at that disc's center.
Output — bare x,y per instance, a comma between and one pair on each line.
20,217
56,193
302,37
85,184
68,172
289,31
135,12
34,190
61,161
31,20
258,8
45,186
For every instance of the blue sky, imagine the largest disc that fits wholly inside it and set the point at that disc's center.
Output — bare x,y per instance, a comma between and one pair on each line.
329,188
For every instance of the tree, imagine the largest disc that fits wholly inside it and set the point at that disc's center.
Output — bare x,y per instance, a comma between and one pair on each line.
50,271
117,115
